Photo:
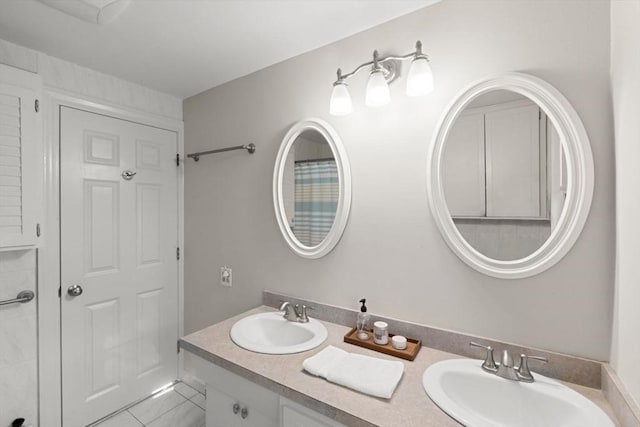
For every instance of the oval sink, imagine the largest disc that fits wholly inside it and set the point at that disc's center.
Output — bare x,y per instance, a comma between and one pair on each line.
477,398
272,334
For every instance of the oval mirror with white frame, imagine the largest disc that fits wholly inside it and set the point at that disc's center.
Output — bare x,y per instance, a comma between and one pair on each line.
312,188
510,176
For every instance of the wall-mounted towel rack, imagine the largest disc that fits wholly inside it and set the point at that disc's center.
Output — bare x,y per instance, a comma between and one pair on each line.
251,148
24,296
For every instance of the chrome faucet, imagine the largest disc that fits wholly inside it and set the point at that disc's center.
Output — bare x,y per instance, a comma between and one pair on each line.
506,368
294,313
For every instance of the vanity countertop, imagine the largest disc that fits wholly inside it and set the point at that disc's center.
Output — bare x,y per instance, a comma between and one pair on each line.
283,374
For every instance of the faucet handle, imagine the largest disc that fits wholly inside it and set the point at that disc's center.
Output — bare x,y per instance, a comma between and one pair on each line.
489,362
524,374
303,313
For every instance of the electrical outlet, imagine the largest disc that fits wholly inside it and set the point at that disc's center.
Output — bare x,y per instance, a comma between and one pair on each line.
226,276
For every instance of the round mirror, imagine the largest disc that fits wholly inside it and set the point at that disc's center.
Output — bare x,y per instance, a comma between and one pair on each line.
312,188
511,176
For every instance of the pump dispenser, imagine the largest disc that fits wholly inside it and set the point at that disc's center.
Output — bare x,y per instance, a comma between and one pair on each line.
363,321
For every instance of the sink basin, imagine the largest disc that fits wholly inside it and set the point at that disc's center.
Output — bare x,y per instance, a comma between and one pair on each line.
476,398
272,334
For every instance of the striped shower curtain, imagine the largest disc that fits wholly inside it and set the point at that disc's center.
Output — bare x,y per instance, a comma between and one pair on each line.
316,200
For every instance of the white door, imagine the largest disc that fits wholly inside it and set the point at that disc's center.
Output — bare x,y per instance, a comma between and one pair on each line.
118,248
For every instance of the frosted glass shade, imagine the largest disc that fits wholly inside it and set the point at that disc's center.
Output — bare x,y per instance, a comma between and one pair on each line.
377,90
420,78
340,104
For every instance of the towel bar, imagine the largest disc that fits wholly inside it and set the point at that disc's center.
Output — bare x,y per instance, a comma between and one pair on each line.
24,296
251,148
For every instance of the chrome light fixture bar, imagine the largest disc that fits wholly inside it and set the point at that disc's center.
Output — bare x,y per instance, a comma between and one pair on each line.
382,72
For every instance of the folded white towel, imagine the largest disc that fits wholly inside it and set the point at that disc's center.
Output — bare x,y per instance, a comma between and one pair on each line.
369,375
323,362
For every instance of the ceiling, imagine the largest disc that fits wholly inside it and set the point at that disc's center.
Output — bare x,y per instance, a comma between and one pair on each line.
183,47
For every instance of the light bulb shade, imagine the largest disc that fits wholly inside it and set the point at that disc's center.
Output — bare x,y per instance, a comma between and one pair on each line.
377,90
420,78
340,104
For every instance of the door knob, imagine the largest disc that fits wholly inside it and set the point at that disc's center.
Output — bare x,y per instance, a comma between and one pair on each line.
74,290
128,175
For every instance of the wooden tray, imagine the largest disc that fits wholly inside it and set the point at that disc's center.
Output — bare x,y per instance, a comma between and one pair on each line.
409,353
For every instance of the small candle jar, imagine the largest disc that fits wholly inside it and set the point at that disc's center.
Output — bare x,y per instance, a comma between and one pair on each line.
399,342
380,333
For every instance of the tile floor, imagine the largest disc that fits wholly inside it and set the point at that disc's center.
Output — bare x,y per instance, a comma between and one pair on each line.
182,407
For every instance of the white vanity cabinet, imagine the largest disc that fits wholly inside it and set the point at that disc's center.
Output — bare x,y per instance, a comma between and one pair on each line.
21,158
495,162
294,415
233,401
254,408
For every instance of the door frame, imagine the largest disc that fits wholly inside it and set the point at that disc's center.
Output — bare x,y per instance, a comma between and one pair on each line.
48,254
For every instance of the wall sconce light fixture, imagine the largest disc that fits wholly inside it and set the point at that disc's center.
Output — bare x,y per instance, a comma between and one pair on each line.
382,72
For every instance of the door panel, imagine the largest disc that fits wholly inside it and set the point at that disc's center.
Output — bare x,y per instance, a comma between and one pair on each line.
148,313
102,226
103,341
118,242
148,230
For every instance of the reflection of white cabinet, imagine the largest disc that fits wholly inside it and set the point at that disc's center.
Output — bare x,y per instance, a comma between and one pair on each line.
294,415
464,175
495,162
20,157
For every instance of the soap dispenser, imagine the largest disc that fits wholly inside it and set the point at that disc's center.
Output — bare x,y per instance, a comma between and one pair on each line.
363,321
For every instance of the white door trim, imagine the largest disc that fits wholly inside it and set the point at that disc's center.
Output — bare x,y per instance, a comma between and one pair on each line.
48,265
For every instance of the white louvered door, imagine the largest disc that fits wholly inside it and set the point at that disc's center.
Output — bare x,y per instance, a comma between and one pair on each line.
118,244
20,157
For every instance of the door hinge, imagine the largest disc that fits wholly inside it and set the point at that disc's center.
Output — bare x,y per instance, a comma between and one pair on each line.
178,346
37,105
178,159
60,292
37,230
178,253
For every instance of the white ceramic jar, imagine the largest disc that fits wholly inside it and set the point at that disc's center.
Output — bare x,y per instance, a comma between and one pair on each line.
380,332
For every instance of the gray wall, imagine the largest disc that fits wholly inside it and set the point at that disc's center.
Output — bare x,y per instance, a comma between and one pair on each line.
391,251
625,69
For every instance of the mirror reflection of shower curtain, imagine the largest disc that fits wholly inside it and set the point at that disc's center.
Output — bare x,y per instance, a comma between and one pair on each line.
316,200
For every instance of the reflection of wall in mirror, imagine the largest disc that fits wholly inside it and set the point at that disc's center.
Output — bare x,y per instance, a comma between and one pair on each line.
491,222
504,239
